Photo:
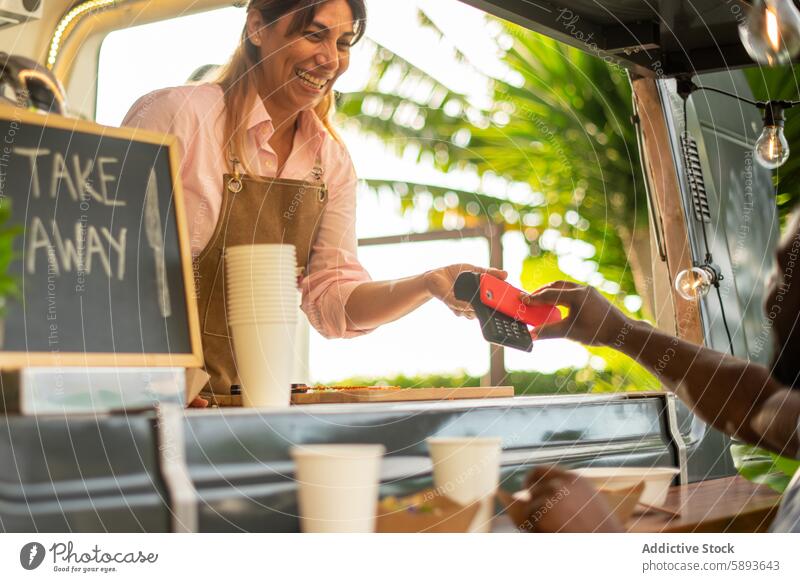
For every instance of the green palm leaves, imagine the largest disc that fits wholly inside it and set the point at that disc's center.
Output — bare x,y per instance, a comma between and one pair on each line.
555,141
554,155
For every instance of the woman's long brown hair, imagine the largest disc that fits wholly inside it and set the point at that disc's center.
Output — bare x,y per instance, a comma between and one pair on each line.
239,79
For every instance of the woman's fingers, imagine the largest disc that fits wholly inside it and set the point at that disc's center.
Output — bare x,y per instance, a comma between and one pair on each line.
457,304
494,272
460,310
463,313
499,273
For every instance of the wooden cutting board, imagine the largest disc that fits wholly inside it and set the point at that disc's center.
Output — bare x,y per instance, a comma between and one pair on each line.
401,395
384,395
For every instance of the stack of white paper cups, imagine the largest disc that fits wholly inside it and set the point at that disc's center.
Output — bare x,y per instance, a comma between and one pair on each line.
262,301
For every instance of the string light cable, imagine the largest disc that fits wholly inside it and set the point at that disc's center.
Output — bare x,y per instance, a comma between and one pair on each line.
694,283
771,148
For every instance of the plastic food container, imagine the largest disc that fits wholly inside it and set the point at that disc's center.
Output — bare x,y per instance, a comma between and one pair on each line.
657,480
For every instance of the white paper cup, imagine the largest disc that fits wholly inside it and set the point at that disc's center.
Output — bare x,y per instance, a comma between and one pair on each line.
239,276
260,263
243,308
282,314
277,315
265,294
245,251
264,354
262,319
247,307
337,487
285,271
289,309
258,269
267,297
255,259
262,290
467,469
246,278
242,257
260,248
260,260
250,284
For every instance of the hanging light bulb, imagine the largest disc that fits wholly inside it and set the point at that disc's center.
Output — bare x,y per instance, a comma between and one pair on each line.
771,31
772,149
695,283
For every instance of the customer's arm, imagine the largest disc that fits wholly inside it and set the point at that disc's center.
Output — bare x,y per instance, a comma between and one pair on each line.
736,396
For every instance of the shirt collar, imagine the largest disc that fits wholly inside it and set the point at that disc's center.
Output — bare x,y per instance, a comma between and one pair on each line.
310,124
309,127
309,121
258,114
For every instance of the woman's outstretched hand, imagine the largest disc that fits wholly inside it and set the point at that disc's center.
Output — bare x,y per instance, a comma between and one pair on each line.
439,283
592,319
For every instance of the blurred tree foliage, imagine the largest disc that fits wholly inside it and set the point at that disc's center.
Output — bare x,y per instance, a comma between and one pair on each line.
555,153
568,381
556,148
764,467
9,286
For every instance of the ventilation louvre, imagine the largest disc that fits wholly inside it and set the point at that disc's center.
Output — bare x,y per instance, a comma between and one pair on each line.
694,173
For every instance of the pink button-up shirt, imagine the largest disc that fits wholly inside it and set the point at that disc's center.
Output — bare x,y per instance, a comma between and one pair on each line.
195,114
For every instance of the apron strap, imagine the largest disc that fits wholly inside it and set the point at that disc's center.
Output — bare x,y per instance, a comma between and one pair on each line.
235,183
318,171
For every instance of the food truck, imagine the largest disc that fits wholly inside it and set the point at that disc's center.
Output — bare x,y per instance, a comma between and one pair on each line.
136,460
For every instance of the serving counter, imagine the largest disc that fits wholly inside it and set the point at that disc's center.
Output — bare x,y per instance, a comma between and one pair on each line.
225,469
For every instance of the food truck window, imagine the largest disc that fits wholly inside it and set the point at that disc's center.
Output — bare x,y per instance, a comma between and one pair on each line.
409,99
542,241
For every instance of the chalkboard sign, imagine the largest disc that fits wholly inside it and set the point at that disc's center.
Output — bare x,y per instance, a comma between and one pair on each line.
103,262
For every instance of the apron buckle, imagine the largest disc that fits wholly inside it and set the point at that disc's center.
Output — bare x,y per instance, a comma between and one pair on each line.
235,185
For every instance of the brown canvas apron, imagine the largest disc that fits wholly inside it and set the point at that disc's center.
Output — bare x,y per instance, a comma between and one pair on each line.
254,211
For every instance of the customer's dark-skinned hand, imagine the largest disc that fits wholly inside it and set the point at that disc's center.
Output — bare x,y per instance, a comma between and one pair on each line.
592,319
561,501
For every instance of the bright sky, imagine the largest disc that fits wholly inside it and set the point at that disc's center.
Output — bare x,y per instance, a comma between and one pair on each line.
141,59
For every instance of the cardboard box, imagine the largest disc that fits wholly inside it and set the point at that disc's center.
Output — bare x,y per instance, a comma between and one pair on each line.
427,511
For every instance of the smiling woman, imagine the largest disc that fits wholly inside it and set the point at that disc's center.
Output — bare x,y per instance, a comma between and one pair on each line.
262,164
292,76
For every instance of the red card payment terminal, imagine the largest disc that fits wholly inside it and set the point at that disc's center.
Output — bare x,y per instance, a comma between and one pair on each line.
504,297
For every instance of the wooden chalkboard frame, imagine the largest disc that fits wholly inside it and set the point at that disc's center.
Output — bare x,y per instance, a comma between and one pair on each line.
14,360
